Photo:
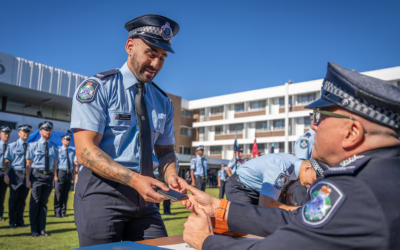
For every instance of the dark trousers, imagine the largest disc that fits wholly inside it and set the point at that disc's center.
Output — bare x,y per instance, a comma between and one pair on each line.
167,206
3,189
40,192
18,194
106,212
222,189
200,183
61,191
237,192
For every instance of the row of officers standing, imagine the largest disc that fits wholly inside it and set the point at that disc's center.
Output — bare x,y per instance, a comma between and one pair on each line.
39,166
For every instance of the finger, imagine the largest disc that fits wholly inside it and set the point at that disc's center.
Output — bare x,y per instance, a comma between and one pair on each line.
192,189
173,182
200,212
160,185
155,196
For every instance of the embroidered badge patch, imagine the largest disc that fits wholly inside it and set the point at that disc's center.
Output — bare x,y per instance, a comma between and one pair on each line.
303,143
326,199
87,91
281,181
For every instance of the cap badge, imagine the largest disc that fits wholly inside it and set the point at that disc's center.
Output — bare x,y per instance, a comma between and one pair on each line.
345,102
166,31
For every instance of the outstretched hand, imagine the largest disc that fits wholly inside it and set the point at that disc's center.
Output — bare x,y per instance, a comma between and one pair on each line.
202,200
197,228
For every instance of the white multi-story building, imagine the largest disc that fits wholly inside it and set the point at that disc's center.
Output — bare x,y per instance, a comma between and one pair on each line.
274,115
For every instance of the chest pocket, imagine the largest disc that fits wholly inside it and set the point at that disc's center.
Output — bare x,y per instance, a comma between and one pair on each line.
121,121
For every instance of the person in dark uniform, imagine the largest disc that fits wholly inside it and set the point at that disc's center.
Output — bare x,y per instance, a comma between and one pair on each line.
222,177
354,205
41,172
118,118
199,169
67,164
4,136
16,176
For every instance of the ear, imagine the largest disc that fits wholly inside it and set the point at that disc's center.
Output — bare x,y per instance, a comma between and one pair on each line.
354,135
129,46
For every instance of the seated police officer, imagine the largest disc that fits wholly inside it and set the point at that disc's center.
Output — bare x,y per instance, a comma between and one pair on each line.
67,164
261,180
4,137
41,172
16,176
199,169
354,205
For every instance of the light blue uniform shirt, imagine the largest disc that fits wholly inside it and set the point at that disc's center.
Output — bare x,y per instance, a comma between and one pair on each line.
304,146
268,174
15,153
197,165
112,114
36,152
62,158
222,174
2,154
234,165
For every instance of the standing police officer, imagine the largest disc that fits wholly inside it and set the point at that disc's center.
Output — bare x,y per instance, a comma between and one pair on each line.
235,163
16,176
67,164
222,176
118,118
4,136
355,204
198,169
41,172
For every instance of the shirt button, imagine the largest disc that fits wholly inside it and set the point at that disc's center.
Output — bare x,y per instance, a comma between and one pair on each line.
143,118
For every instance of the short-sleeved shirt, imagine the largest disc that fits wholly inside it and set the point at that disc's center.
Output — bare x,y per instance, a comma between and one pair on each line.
222,174
304,146
15,154
62,158
36,152
2,154
234,165
110,111
199,165
268,174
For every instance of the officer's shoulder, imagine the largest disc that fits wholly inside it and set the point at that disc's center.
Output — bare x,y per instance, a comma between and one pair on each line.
12,144
160,90
55,145
350,166
106,74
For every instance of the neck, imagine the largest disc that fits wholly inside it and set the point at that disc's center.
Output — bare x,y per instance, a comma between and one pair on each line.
44,139
22,140
4,141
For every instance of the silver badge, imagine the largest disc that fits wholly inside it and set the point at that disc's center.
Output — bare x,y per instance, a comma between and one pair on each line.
166,32
345,102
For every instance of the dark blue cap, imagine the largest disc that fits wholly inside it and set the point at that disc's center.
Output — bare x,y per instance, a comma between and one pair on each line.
46,125
66,137
153,29
5,129
25,128
200,148
371,98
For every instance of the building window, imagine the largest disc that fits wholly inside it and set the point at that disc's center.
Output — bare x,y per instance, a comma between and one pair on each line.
262,126
281,102
279,124
306,99
186,113
236,128
201,134
217,111
186,131
307,122
261,148
257,105
184,150
215,150
239,107
219,130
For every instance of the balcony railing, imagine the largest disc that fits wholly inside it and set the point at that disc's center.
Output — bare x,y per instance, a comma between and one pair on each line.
227,136
250,113
216,156
270,133
216,117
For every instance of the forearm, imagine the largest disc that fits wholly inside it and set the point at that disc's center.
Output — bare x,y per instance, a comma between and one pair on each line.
283,206
167,159
28,170
192,174
55,169
75,169
100,163
228,171
6,166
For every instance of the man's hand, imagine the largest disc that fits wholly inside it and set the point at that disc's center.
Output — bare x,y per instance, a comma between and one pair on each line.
197,228
193,183
55,179
6,179
176,183
145,186
202,200
28,184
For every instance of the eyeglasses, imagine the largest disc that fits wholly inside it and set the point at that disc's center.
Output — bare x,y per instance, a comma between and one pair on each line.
318,116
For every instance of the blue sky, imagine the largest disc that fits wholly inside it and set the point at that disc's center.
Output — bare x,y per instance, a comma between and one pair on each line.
222,47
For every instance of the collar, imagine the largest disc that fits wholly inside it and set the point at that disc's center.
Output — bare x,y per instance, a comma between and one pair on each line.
311,131
20,141
383,152
128,78
64,147
41,140
1,142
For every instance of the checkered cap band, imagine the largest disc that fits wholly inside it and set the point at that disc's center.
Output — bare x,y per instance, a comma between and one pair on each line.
5,129
318,169
148,29
352,103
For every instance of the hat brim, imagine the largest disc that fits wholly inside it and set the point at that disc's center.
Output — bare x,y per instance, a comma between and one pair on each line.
320,103
157,43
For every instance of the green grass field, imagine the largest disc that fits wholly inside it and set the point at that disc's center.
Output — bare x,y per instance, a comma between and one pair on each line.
63,231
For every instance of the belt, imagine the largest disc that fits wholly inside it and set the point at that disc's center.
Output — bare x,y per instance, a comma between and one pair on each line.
20,171
67,171
202,177
43,172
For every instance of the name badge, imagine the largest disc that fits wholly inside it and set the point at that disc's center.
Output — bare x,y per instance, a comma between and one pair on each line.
123,117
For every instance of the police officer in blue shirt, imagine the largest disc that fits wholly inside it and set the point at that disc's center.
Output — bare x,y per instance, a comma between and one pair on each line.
235,163
65,170
355,204
4,136
118,118
16,176
41,173
198,169
222,177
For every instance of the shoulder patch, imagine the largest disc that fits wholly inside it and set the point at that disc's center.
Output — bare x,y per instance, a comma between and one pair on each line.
349,166
87,91
281,181
308,135
159,89
106,73
304,143
326,199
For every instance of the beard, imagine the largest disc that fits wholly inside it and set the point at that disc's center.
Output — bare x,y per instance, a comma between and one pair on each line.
139,71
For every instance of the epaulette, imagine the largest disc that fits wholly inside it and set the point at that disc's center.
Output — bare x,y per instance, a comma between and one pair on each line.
162,92
349,166
308,135
106,73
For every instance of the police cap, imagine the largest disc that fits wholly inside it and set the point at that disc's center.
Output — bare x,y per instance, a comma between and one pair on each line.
5,129
25,128
66,137
371,98
153,29
46,125
200,148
